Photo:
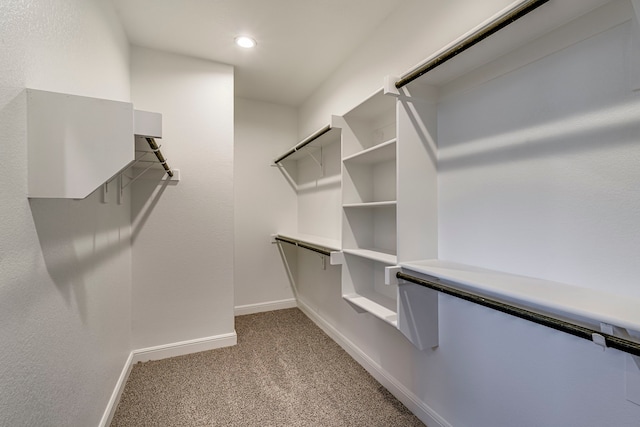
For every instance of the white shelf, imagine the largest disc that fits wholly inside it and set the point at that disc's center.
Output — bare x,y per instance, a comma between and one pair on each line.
75,143
327,243
376,154
552,296
376,304
371,204
379,255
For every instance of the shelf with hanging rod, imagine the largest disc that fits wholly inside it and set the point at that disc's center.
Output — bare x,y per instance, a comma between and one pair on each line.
559,306
316,140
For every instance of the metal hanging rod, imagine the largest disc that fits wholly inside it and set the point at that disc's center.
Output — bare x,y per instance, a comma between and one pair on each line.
301,244
304,143
612,341
472,40
156,150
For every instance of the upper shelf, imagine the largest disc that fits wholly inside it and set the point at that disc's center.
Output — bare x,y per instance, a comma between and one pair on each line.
536,293
376,154
316,140
537,29
77,143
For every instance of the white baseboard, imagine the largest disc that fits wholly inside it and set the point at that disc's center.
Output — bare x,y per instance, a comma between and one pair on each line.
421,410
241,310
162,352
184,347
107,416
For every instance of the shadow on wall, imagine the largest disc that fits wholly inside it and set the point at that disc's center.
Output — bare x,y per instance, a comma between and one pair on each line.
148,191
80,240
600,129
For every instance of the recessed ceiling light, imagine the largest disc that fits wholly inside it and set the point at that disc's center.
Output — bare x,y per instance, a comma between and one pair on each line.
246,42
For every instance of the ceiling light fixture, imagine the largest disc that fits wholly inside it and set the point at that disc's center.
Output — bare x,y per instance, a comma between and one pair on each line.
245,42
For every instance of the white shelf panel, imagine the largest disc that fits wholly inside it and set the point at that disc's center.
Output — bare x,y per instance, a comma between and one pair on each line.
331,244
371,204
376,154
378,255
376,304
553,296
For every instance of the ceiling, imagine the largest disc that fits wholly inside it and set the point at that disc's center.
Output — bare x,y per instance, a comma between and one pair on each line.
300,42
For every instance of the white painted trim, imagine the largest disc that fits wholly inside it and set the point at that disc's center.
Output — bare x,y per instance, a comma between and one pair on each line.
421,410
110,410
241,310
184,347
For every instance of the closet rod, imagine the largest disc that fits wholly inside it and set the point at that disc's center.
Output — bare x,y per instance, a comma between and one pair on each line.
618,343
304,143
158,153
304,245
472,40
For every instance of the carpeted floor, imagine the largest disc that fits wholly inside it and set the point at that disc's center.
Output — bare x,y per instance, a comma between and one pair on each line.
284,372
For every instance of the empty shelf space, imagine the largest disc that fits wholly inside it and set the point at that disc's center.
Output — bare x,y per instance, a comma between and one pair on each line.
376,154
376,304
375,254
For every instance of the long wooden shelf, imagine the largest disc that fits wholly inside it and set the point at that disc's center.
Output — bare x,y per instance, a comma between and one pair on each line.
547,295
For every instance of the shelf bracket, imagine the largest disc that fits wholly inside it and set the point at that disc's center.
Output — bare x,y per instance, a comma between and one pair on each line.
390,275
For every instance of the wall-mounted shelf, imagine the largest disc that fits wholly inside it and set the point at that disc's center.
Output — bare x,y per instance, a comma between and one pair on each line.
75,143
307,241
556,305
309,145
559,298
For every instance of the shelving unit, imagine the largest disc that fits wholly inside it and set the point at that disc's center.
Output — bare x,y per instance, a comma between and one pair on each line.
369,202
406,153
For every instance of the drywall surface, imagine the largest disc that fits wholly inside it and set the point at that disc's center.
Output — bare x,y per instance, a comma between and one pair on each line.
263,131
538,169
183,234
491,369
404,39
65,265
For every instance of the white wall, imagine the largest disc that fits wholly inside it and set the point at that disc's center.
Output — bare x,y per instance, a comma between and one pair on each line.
183,242
491,369
263,131
65,265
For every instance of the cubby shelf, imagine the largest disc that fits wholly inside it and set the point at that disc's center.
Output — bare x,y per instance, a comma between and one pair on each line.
376,304
560,298
376,154
370,204
376,254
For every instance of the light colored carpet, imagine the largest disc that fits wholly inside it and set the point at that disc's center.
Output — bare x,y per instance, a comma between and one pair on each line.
284,371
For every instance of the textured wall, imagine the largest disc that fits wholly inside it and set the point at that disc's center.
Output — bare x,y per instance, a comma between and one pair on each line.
65,265
263,132
183,234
